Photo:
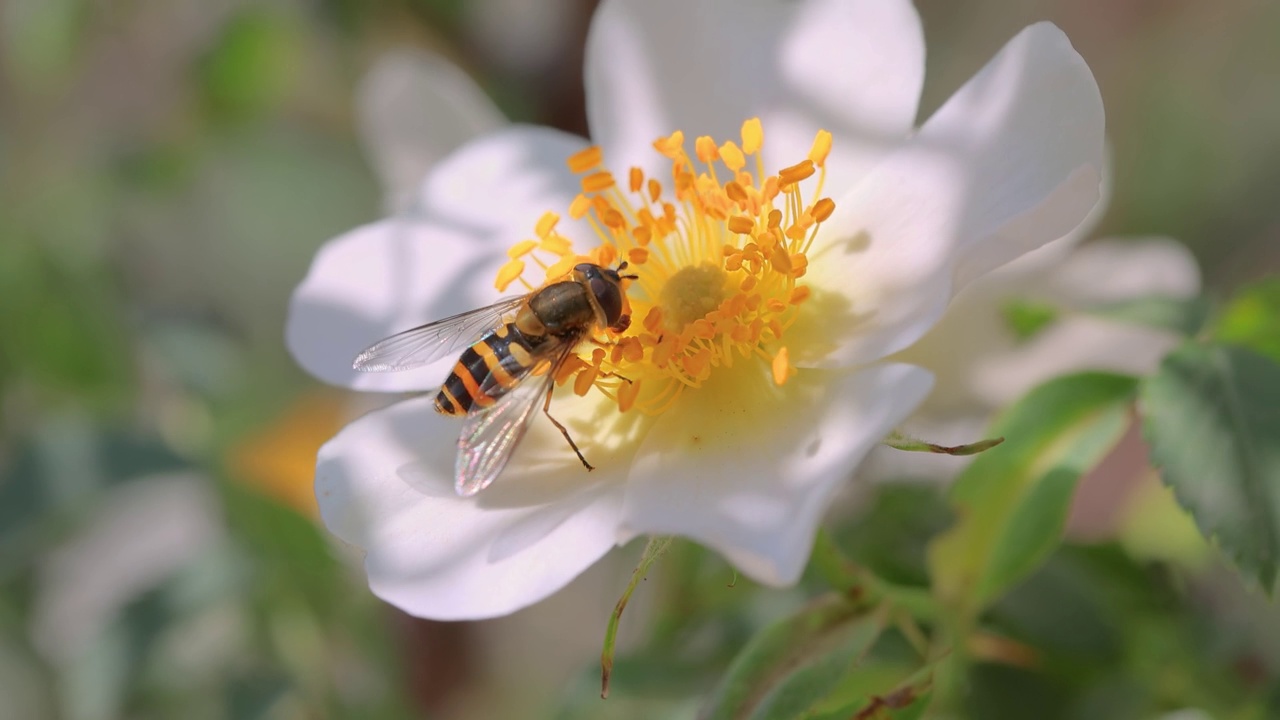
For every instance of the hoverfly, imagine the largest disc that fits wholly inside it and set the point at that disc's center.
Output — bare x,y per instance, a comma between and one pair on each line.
499,378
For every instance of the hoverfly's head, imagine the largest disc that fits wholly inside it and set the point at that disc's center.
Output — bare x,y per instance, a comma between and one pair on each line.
605,285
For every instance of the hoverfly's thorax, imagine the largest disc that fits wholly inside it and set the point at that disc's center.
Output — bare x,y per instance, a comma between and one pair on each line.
563,308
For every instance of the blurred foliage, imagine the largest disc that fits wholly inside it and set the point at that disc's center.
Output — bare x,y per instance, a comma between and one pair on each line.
167,171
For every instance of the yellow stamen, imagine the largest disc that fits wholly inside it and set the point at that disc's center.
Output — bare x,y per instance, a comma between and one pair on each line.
718,247
520,249
732,156
508,273
546,224
741,225
752,136
585,160
781,366
596,182
821,148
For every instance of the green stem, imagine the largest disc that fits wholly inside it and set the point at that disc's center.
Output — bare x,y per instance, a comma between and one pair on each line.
855,581
652,551
841,573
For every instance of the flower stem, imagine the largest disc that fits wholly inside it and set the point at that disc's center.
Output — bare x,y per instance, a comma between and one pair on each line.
841,573
652,551
846,576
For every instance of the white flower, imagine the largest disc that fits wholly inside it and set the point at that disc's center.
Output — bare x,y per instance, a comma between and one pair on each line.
414,109
980,365
743,457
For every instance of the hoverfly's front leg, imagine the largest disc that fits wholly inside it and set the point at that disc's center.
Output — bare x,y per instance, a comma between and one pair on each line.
546,410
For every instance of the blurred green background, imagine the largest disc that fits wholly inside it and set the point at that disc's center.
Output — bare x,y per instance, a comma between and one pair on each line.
167,170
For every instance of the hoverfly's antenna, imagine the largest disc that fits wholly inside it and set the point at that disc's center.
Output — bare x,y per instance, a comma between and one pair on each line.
623,266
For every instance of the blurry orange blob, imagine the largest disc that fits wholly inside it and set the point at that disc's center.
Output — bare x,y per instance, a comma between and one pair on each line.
279,460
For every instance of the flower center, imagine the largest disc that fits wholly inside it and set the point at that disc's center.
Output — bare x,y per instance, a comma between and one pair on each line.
691,293
718,259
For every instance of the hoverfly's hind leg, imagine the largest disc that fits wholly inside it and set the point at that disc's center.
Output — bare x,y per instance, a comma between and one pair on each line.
546,410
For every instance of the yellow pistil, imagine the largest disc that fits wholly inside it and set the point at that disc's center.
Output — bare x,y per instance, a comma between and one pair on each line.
719,256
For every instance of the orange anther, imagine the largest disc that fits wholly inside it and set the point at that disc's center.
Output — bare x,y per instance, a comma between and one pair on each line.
627,394
632,350
606,255
821,148
546,224
797,172
823,209
655,190
520,249
579,207
732,156
637,255
584,160
741,225
597,181
706,149
562,267
508,273
736,193
781,366
584,381
653,319
613,219
799,263
799,294
637,179
671,146
752,136
556,244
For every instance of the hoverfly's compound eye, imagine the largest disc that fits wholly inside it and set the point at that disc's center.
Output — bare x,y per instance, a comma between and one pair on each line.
609,295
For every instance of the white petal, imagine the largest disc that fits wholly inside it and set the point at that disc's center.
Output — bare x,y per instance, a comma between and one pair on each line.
1072,344
1009,163
498,186
853,67
1050,255
748,470
978,362
385,484
1114,270
416,267
414,109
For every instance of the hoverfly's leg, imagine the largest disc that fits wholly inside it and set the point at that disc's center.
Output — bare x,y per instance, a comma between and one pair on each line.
615,375
546,410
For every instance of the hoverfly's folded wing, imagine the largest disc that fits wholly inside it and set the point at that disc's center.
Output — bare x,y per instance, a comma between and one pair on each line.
427,343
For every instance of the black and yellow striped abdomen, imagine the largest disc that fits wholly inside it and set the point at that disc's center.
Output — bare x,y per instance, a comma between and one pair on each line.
487,370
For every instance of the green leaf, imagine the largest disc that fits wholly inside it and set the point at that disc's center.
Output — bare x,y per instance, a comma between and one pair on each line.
1026,318
1252,318
250,66
1013,500
1212,417
790,667
880,692
1184,316
899,441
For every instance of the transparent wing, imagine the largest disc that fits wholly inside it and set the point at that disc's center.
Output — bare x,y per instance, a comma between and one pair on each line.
428,343
490,436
